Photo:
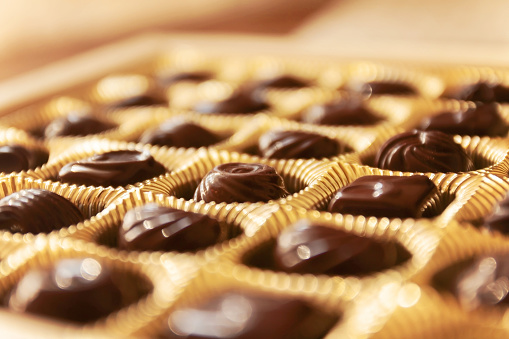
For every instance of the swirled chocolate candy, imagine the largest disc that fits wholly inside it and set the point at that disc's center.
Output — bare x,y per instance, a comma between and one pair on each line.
283,81
241,101
481,92
278,144
17,158
76,125
167,80
308,248
484,120
77,290
343,112
37,211
236,315
241,182
423,151
384,196
117,168
386,88
157,228
498,219
179,133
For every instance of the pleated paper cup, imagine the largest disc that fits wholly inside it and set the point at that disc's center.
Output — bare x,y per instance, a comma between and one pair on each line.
147,287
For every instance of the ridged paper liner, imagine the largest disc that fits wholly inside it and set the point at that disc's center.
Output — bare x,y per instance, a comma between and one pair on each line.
302,178
166,282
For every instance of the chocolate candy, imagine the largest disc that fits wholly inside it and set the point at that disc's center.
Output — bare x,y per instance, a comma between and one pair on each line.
77,290
484,120
343,112
481,92
498,219
387,88
76,125
236,315
384,196
423,151
37,211
241,182
179,133
308,248
168,80
279,144
283,81
17,158
116,168
242,101
137,101
157,228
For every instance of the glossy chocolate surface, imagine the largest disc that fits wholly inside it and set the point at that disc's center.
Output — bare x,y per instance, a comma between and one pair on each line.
278,144
308,248
384,196
423,151
237,315
138,100
242,101
37,211
117,168
283,81
484,120
387,88
168,80
179,133
77,290
76,125
17,158
343,112
498,219
241,182
157,228
481,92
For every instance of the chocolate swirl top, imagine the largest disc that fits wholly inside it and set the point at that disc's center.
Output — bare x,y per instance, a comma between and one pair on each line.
116,168
17,158
76,125
241,182
37,211
297,144
179,133
157,228
428,151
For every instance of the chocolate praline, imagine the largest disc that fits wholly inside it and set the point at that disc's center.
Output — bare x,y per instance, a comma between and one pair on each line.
116,168
481,92
244,100
138,101
76,125
167,80
241,182
248,315
179,133
343,112
423,151
77,290
386,88
279,144
17,158
157,228
37,211
384,196
483,120
282,81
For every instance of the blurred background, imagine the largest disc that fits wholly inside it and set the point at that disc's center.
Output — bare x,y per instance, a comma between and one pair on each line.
34,33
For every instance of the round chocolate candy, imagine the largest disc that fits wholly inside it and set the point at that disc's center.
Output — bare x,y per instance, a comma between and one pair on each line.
156,228
484,120
279,144
236,315
242,101
241,182
282,81
37,211
343,112
138,101
308,248
423,151
77,290
76,125
386,88
384,196
17,158
179,133
481,92
116,168
166,80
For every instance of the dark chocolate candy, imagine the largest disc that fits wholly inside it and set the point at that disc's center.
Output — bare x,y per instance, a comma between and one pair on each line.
498,219
76,125
484,120
17,158
235,315
138,100
156,228
283,81
278,144
423,151
37,211
384,196
179,133
242,101
241,182
343,112
387,88
77,290
481,92
167,80
116,168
